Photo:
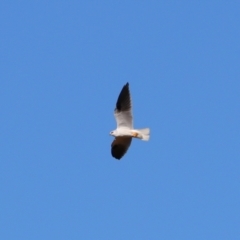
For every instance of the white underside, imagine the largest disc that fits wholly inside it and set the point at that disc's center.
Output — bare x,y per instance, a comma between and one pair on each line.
143,134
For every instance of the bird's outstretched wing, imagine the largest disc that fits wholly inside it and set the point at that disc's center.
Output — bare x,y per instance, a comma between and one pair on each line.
120,146
123,110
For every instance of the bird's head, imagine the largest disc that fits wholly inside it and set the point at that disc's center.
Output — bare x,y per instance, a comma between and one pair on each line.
113,133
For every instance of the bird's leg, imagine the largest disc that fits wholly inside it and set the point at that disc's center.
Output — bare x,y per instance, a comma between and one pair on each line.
135,134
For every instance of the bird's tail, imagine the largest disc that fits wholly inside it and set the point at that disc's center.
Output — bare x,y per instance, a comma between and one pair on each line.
144,134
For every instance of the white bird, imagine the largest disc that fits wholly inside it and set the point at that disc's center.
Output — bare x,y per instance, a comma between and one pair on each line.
125,131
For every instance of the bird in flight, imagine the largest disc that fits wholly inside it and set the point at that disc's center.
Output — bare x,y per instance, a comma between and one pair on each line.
125,132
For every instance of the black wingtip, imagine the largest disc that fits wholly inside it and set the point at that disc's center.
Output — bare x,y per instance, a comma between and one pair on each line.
124,101
120,146
126,86
117,151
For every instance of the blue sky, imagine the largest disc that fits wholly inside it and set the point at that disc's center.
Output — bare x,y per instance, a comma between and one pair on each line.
63,64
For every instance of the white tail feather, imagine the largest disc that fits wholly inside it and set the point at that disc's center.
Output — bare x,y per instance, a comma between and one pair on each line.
144,134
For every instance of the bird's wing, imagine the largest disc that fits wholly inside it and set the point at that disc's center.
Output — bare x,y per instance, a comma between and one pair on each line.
120,146
123,110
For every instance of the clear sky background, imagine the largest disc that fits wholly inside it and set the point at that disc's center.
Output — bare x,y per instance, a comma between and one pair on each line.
63,64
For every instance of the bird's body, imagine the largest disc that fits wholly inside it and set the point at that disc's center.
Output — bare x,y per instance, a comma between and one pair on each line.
125,131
